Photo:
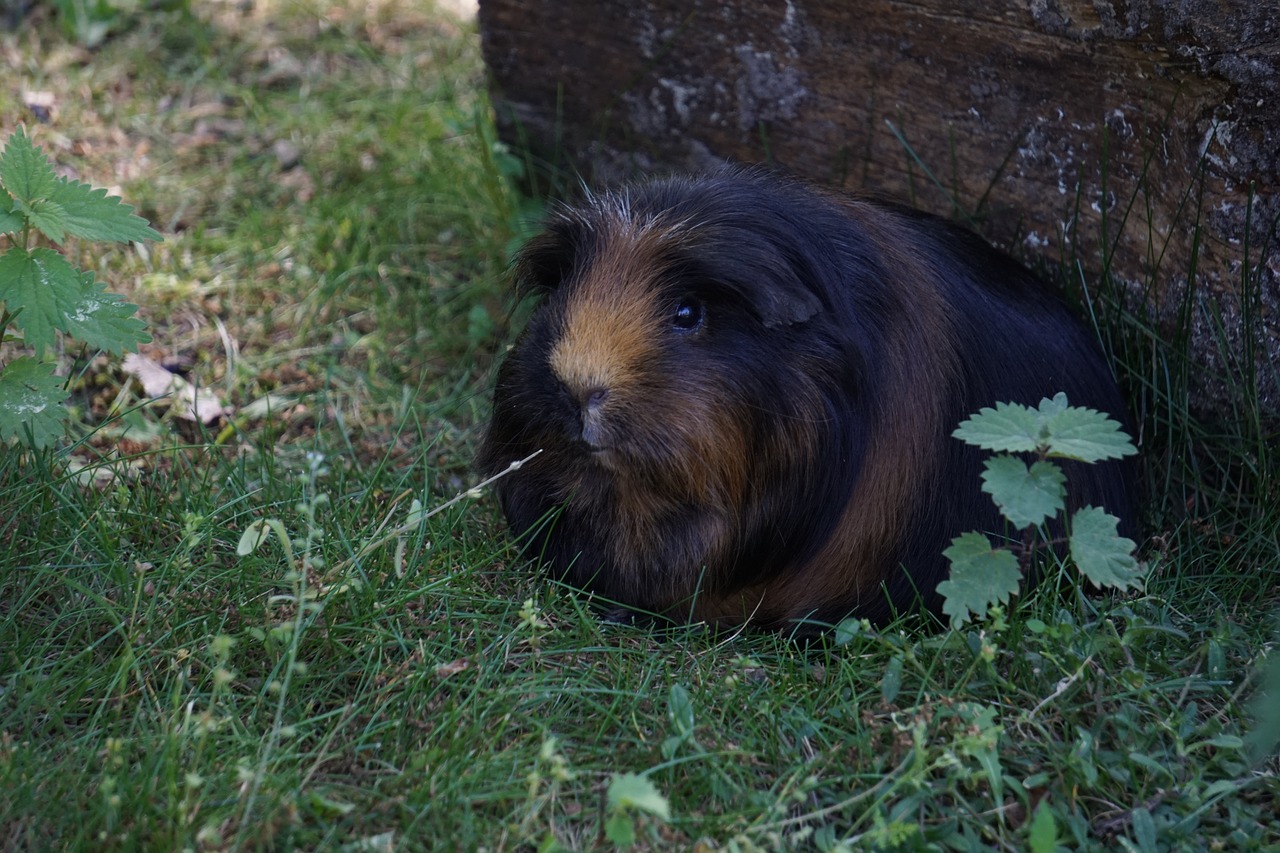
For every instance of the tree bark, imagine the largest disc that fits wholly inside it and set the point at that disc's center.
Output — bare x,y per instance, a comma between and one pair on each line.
1139,138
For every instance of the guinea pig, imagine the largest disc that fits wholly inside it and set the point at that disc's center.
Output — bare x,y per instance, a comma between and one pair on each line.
743,390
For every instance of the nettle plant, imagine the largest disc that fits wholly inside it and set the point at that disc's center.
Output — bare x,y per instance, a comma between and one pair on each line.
1030,496
42,294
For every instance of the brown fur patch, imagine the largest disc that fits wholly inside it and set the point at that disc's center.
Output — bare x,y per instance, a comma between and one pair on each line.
693,445
610,316
899,458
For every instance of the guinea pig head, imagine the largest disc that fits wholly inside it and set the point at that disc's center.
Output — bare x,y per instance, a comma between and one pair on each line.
669,380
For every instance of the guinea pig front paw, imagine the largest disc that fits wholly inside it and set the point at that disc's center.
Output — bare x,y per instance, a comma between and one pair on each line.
624,616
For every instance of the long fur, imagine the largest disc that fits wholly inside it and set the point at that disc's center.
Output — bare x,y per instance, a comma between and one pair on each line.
744,390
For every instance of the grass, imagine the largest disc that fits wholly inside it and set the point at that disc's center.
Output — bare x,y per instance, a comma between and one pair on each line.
337,216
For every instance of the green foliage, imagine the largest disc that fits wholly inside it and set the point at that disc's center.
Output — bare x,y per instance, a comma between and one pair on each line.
43,294
1100,553
88,21
373,677
1264,737
1029,496
1053,430
1026,496
629,796
91,21
980,576
1043,834
30,395
680,715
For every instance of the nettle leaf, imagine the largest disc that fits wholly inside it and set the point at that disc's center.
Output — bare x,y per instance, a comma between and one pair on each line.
45,216
47,293
24,170
31,402
1009,428
42,286
847,629
620,829
632,792
93,215
10,222
104,320
1051,407
1026,496
1087,435
981,576
1101,553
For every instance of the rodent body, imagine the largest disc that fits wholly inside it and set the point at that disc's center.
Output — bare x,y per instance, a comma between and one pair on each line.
743,390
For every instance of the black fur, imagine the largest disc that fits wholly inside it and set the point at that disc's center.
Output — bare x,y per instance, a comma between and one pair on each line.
809,320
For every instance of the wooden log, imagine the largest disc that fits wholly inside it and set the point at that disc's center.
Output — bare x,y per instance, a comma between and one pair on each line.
1143,136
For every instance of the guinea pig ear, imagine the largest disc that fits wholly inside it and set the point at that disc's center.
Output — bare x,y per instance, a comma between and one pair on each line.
781,303
775,278
546,260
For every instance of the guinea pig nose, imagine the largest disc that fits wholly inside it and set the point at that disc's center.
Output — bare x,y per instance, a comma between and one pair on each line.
595,397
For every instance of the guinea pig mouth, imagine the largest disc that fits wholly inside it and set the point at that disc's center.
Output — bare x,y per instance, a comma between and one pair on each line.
598,456
594,434
594,438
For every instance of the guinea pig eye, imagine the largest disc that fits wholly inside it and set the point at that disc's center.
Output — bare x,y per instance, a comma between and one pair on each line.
687,315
